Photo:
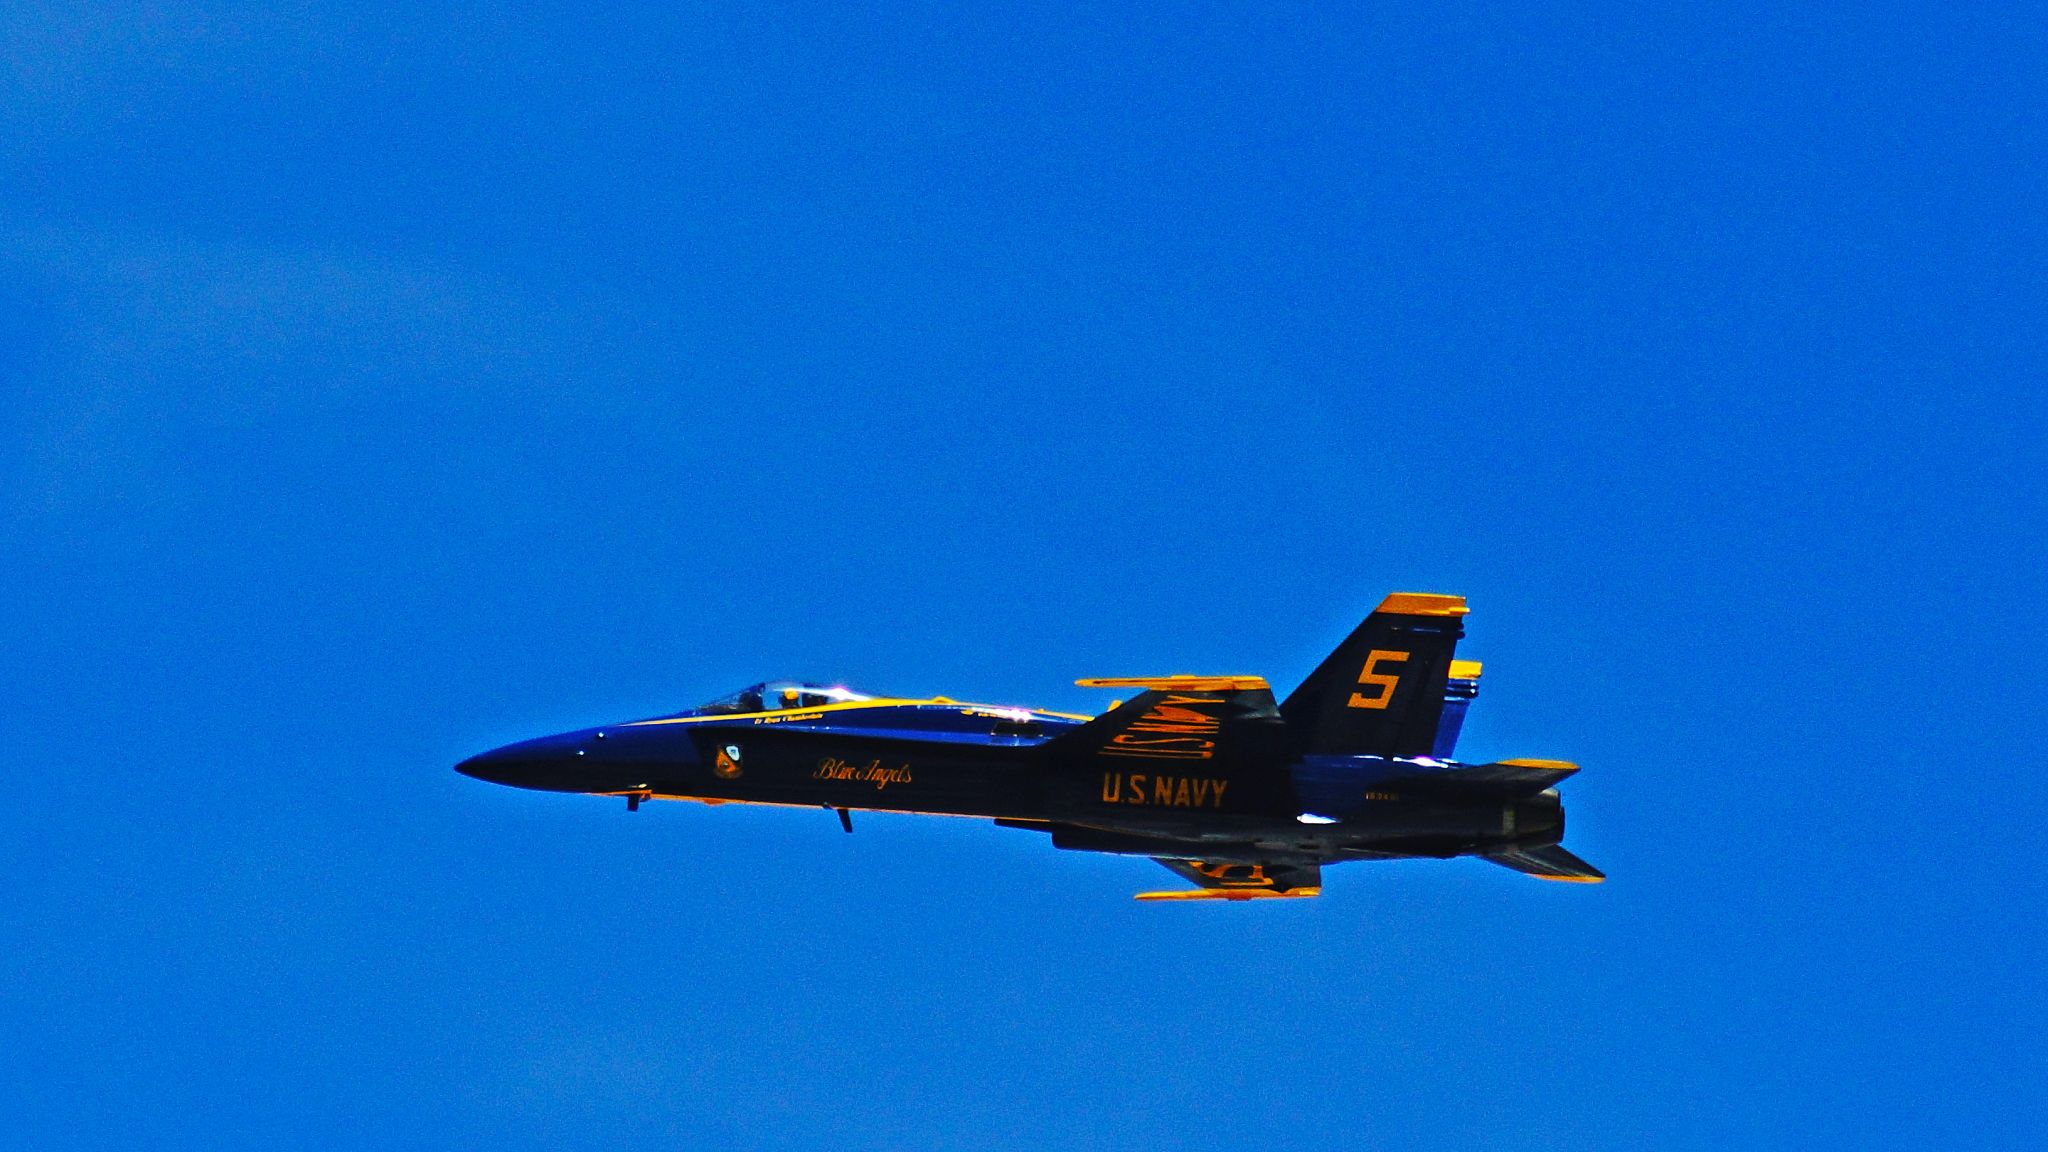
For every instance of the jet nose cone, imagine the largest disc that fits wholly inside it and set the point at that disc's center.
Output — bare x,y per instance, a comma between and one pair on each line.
527,764
551,764
499,766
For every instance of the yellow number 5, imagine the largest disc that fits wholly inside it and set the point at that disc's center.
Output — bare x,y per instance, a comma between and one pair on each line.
1386,681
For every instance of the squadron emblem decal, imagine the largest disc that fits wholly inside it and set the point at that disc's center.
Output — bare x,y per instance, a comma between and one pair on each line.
728,764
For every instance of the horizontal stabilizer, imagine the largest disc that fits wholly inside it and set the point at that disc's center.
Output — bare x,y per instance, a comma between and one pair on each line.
1552,863
1502,777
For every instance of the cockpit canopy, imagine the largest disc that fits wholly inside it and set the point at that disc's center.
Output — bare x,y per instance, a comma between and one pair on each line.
777,695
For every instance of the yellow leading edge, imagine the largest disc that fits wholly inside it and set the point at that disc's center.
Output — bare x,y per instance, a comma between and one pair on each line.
1230,894
809,711
1179,682
1544,765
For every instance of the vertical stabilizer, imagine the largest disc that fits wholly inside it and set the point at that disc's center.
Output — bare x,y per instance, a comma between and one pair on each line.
1381,693
1459,692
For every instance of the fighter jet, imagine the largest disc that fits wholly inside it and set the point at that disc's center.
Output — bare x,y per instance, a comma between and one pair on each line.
1244,798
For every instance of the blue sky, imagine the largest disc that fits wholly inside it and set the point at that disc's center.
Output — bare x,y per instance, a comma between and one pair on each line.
382,387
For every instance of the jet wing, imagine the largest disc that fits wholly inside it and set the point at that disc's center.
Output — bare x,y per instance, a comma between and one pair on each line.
1236,880
1218,719
1552,863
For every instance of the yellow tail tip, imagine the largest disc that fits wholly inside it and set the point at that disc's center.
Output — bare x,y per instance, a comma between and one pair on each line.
1423,604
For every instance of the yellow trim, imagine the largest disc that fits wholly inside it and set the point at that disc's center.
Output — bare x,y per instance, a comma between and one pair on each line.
784,713
1465,669
715,801
1568,879
1540,765
1230,894
788,714
1179,682
1423,604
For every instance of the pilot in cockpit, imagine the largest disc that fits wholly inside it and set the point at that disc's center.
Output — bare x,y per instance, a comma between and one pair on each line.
780,695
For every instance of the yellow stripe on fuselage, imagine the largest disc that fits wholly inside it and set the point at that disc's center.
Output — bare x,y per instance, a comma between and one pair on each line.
718,801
